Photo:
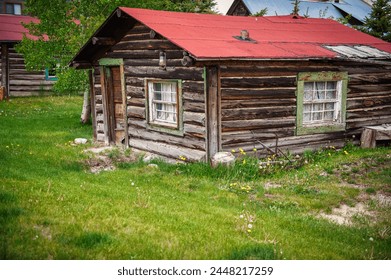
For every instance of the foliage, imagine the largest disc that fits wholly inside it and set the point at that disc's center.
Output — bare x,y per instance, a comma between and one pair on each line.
65,26
261,13
378,23
296,8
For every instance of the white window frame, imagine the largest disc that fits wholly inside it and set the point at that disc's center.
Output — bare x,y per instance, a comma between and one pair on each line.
164,106
322,102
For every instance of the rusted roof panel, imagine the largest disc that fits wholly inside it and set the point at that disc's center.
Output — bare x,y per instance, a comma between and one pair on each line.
359,52
11,28
212,36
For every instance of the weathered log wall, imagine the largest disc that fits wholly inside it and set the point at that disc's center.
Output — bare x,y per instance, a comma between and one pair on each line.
140,54
258,104
20,81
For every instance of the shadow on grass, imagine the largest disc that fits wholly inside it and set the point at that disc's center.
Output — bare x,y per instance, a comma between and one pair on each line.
253,252
9,213
87,240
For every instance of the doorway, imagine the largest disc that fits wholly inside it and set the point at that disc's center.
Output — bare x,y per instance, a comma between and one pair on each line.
115,116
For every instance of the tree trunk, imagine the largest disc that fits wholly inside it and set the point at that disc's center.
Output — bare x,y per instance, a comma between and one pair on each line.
86,113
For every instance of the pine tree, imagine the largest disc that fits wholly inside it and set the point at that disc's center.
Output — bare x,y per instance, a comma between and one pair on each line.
378,23
296,8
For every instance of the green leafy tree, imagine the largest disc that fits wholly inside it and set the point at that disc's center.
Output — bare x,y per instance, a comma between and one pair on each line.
378,23
65,25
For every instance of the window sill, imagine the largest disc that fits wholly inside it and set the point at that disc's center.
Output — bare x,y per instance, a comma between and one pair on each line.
173,130
304,130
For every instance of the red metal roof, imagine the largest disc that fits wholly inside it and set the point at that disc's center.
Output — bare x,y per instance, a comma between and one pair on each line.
208,36
11,28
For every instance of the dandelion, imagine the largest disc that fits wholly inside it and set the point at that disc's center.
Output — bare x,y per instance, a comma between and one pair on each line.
255,149
233,151
241,216
244,161
329,154
250,226
249,230
346,153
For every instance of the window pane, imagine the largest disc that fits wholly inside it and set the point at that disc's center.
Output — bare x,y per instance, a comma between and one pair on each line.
307,108
163,102
9,8
308,89
17,9
157,86
307,117
319,90
318,107
317,116
329,115
329,106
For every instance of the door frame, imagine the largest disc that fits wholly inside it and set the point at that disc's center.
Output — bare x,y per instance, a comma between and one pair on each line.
105,64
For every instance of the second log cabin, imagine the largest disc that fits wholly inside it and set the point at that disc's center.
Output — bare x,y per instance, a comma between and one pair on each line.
191,85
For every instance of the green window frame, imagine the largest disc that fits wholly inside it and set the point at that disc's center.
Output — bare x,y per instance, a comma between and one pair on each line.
50,74
321,102
164,112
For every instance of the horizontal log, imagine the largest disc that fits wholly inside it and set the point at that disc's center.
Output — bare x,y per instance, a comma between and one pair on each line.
257,124
354,89
144,54
196,87
257,103
137,92
152,62
361,122
100,137
367,102
29,83
194,118
193,106
258,113
195,131
186,73
258,82
369,112
151,44
283,142
149,135
239,137
29,77
239,94
103,41
370,78
138,102
136,123
167,150
136,112
31,88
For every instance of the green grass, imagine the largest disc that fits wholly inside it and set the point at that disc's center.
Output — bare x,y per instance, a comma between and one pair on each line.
52,207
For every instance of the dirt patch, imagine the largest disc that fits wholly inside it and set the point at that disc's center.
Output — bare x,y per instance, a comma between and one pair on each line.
106,158
345,214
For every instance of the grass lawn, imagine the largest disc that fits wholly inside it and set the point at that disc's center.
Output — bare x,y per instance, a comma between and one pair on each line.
53,207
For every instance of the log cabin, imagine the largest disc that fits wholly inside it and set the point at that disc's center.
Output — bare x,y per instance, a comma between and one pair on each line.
192,85
15,79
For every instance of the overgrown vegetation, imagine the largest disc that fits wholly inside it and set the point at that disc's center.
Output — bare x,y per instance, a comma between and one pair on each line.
53,207
65,26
